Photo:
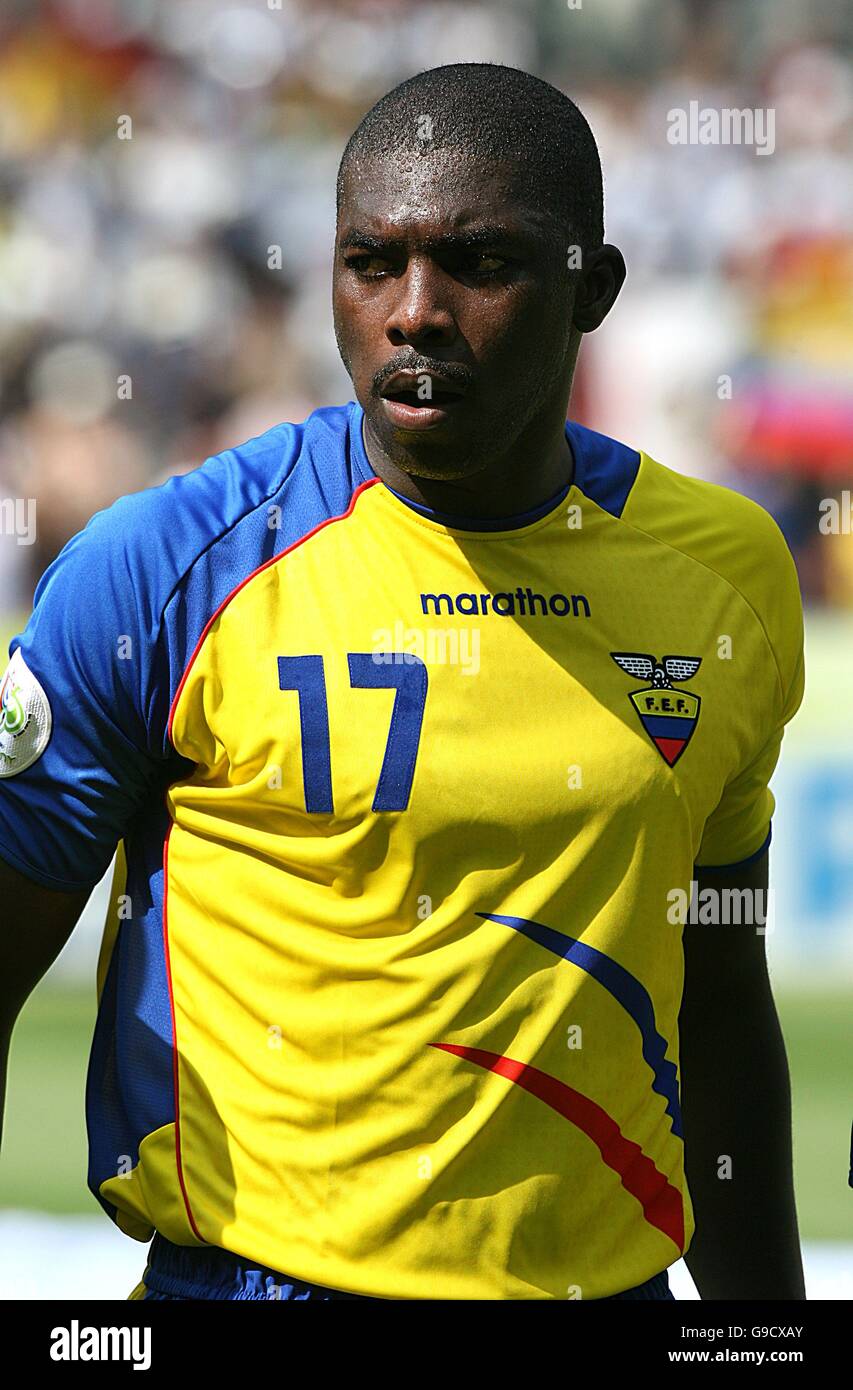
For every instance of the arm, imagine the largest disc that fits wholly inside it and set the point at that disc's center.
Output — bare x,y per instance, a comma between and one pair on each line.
737,1102
37,922
89,683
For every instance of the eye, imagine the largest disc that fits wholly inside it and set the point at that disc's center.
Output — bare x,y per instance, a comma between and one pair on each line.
368,264
483,265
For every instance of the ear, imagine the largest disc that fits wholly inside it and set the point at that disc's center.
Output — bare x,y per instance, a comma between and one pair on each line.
602,277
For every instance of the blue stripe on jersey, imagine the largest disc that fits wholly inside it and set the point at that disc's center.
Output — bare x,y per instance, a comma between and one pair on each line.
625,988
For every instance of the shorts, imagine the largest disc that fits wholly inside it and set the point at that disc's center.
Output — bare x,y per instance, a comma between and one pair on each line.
176,1272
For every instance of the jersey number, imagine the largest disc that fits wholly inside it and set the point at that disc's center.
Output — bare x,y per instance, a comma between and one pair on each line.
406,674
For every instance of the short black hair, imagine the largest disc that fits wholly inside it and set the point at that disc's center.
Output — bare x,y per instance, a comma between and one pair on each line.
499,114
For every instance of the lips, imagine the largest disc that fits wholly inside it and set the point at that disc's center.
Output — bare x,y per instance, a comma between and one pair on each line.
420,400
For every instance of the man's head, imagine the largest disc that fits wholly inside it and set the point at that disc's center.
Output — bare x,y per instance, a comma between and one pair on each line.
470,255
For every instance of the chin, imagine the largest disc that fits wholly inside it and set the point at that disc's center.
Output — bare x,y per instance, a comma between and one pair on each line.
439,463
431,454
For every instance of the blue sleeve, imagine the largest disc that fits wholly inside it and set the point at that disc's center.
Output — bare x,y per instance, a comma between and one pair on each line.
84,703
80,707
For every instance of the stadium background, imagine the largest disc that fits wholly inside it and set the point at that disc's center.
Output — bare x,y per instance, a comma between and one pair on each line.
191,261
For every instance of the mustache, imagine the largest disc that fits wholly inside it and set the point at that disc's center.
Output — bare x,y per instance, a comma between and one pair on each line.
456,372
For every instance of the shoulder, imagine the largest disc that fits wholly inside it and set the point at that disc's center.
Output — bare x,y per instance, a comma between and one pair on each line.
122,605
734,539
719,527
729,534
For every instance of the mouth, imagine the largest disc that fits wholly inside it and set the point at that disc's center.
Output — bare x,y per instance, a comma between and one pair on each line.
420,400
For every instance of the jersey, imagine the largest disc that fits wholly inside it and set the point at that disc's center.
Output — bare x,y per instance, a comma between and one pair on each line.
389,995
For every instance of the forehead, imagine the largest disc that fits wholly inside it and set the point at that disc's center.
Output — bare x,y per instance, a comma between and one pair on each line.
409,193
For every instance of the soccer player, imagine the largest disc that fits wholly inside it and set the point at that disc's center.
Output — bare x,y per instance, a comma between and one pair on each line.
412,722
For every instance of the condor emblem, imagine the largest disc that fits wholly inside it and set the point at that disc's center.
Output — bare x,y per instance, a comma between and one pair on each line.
667,714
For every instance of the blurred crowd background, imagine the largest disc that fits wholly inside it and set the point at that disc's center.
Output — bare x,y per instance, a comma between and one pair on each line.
155,154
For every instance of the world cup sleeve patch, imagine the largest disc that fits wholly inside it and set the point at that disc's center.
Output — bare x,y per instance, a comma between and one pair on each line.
25,718
668,714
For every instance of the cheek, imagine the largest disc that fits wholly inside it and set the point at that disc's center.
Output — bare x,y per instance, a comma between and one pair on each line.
519,338
356,332
342,310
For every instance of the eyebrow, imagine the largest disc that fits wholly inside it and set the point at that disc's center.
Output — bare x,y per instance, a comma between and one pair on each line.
449,241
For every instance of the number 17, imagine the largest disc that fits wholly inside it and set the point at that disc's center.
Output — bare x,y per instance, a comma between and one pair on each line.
306,675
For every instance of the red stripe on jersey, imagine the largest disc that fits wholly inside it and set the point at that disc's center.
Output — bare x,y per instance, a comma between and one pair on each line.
661,1202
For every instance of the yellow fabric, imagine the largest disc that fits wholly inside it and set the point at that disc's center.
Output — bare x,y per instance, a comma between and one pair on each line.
325,963
150,1193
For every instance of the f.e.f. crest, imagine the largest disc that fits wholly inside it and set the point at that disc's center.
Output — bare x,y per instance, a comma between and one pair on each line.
668,714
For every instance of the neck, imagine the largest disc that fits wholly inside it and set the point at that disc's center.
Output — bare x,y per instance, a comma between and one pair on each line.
503,487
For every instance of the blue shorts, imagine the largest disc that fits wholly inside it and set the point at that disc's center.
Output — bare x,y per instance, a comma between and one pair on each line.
177,1272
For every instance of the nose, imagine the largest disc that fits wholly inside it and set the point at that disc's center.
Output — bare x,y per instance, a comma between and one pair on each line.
422,315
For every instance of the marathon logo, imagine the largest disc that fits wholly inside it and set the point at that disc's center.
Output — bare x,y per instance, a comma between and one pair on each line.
521,603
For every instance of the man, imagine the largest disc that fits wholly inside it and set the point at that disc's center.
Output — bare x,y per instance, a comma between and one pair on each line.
412,721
